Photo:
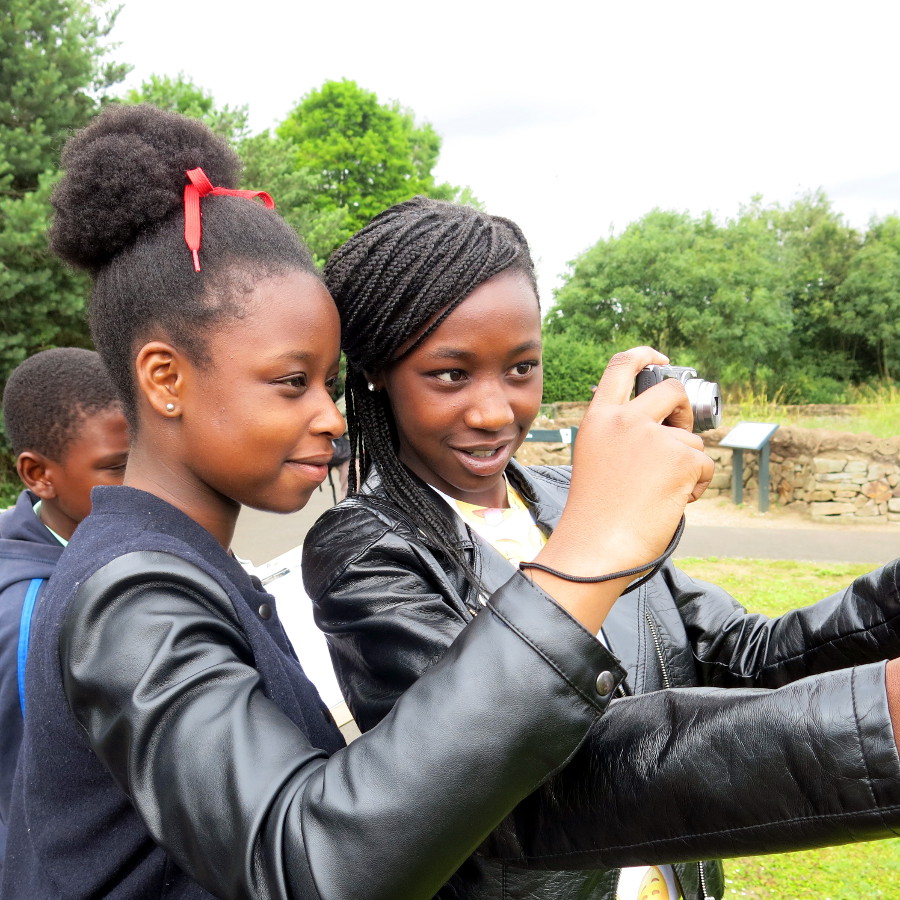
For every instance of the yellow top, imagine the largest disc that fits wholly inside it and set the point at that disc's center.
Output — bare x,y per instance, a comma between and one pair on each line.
511,532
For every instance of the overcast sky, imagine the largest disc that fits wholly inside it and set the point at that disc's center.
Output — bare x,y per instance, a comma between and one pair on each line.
577,118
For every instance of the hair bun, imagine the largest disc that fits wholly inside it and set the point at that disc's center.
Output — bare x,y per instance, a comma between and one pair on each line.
124,174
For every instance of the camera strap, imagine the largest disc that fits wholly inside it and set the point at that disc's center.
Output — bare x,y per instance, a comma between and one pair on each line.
654,566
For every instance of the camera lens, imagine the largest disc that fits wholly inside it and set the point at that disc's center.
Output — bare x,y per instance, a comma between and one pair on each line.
705,402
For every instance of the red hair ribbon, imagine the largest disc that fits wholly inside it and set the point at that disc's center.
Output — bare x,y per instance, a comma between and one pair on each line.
199,187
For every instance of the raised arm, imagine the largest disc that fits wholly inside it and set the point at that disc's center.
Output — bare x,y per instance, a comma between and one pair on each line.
639,472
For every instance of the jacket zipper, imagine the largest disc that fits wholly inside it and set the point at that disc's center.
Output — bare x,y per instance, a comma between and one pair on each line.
667,683
659,654
703,890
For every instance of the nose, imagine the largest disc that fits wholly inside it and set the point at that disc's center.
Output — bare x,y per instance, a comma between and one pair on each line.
329,420
489,408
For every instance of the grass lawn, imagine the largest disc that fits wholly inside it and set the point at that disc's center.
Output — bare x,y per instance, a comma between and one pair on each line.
851,872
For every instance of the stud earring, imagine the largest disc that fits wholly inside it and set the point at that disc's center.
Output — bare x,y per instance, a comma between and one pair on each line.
371,386
170,407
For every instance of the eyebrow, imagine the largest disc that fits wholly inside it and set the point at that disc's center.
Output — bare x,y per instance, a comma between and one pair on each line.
300,356
456,353
291,356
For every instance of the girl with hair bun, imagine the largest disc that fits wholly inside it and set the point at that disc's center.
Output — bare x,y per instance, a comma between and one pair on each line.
173,746
442,332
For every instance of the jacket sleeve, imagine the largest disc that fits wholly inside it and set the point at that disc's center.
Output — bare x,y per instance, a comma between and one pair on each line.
700,773
158,672
732,647
667,776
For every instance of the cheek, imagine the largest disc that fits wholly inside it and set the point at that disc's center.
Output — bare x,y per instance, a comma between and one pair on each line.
528,401
77,503
98,477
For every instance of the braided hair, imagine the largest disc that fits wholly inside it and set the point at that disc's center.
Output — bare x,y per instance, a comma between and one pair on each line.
120,216
394,283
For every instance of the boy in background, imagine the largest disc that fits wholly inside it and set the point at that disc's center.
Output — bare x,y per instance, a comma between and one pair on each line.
65,423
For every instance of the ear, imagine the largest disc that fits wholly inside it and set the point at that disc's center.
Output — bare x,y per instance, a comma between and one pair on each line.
376,379
160,371
36,473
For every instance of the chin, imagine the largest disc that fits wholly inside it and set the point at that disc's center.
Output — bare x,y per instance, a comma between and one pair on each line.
286,508
282,503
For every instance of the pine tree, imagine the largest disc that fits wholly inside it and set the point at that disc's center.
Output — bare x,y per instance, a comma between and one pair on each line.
53,78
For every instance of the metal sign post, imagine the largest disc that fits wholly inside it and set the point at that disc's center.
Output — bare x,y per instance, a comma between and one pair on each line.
749,436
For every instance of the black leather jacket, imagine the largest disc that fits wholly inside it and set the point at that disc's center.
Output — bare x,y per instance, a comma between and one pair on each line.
161,755
667,775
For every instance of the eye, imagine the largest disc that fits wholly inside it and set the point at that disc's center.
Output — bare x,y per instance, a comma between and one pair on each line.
450,376
525,368
332,385
296,382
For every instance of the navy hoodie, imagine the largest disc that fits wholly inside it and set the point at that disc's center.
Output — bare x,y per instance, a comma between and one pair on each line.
27,550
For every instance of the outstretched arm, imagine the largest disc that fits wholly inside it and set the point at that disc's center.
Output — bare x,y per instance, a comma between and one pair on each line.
857,625
160,676
700,773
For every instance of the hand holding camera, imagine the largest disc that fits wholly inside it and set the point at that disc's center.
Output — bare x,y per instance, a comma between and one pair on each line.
704,396
630,481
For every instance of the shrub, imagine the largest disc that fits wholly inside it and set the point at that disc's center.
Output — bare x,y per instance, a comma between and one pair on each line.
571,367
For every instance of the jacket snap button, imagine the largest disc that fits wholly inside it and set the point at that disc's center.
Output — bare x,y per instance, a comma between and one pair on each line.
265,611
605,683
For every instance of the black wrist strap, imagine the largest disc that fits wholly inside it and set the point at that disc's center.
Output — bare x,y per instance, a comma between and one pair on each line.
653,565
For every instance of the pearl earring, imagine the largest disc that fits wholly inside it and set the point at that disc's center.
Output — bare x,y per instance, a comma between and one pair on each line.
170,407
371,386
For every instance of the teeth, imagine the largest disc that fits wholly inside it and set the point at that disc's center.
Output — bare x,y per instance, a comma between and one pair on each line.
482,453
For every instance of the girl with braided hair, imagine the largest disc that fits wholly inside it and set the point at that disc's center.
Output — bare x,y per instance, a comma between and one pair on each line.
731,734
173,746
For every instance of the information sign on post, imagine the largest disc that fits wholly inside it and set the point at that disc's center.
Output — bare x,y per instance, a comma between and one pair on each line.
749,436
555,436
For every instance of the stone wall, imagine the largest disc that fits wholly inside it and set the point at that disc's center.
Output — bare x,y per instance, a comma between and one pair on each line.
828,475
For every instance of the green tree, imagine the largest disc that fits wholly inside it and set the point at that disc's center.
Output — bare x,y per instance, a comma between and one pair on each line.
817,248
707,295
269,165
869,297
53,77
369,154
181,95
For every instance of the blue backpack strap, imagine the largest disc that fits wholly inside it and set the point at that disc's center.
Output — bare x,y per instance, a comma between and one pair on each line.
25,634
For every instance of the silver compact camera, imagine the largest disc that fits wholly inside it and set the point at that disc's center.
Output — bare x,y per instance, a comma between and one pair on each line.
704,397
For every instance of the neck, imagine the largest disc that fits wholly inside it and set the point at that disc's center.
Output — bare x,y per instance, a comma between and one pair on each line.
149,470
56,521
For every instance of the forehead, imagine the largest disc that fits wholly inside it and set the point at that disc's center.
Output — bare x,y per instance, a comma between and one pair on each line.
292,314
501,312
98,432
